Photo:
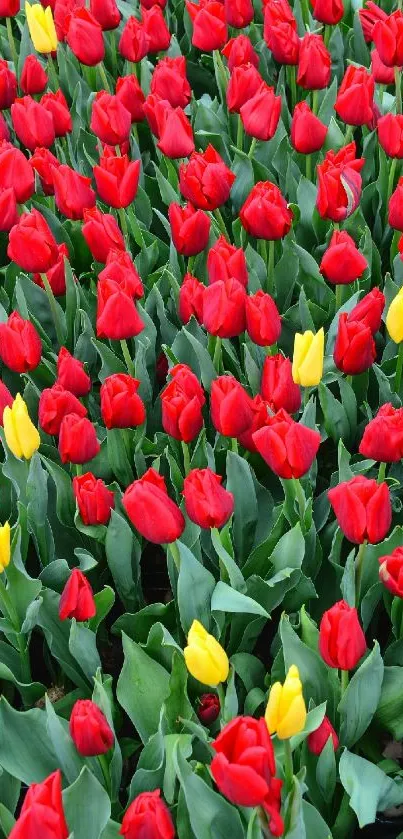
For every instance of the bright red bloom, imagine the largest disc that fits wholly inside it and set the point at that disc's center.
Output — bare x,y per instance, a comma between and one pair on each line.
117,180
31,243
71,373
6,399
339,183
55,104
341,640
77,439
134,41
288,447
391,572
317,739
120,268
225,261
354,103
261,113
110,120
240,51
121,406
369,310
381,73
280,32
278,387
8,85
308,133
54,403
43,161
395,212
265,213
182,402
191,299
56,275
33,77
224,308
263,322
314,63
369,15
387,35
173,130
77,599
354,350
363,509
73,192
328,12
383,436
9,8
156,29
8,209
4,132
261,412
205,180
190,228
148,816
32,123
209,708
89,729
231,407
342,262
169,81
130,94
207,503
209,24
62,12
390,134
244,768
16,172
42,811
244,82
153,513
238,13
84,37
102,234
117,316
94,500
106,13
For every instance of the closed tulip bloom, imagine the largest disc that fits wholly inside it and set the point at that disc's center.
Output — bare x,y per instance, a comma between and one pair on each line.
190,228
8,209
383,436
62,13
354,350
244,768
224,261
149,816
8,85
387,35
5,546
148,506
288,447
260,413
20,344
73,192
56,275
9,8
308,133
354,103
338,172
280,32
381,73
341,640
205,180
224,308
41,27
56,105
265,213
89,729
130,94
261,113
102,233
174,131
84,37
277,386
286,711
369,310
394,318
156,29
238,13
4,131
169,81
182,402
240,51
209,24
110,120
121,406
391,572
307,363
71,373
208,709
314,63
395,216
207,503
369,15
329,13
77,439
244,82
390,134
134,41
5,399
231,407
317,739
94,500
77,599
342,262
191,299
42,810
54,403
120,268
117,316
263,322
106,13
42,162
362,508
22,437
32,123
205,658
33,77
16,172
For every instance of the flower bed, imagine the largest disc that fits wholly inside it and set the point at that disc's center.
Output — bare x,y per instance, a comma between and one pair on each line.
201,345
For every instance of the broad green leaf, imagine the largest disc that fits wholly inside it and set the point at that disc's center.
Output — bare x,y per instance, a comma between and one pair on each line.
87,806
360,700
370,790
142,688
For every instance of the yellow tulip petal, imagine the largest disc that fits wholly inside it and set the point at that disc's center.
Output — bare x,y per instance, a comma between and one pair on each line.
302,343
10,432
294,720
44,41
271,715
201,667
5,546
311,369
50,26
394,318
197,631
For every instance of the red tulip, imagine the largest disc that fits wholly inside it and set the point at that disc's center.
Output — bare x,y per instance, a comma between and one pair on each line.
84,37
94,500
32,123
89,729
209,24
134,42
244,82
308,133
43,161
148,816
153,513
77,599
16,172
317,739
54,403
77,439
224,308
8,85
354,350
209,708
106,13
387,35
278,387
33,77
110,120
205,180
369,310
73,192
117,316
261,113
265,213
288,447
341,639
329,13
169,81
339,183
71,373
354,103
314,63
121,406
42,812
156,29
56,105
369,15
230,406
207,503
263,322
120,268
130,94
363,509
240,51
102,233
383,436
191,296
31,243
342,262
190,228
391,572
182,402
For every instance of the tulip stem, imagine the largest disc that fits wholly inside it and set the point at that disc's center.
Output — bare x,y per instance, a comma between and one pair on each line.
252,148
52,73
293,86
191,262
381,472
308,167
175,555
270,268
391,181
339,296
349,134
299,494
398,89
105,771
186,458
53,309
221,223
7,607
79,469
234,445
344,680
127,357
399,368
359,566
288,767
104,78
239,134
217,354
221,697
315,102
123,224
11,42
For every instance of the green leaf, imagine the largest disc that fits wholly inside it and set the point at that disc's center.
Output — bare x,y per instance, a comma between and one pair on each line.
389,713
316,827
326,771
65,506
360,700
87,806
83,647
240,483
316,680
370,790
177,702
67,755
123,557
195,588
142,688
227,599
25,750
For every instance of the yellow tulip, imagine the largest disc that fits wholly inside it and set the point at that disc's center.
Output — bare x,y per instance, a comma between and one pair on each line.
286,710
5,546
41,27
307,363
205,658
394,318
21,435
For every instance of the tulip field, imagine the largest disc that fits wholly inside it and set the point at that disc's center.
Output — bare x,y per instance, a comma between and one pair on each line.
201,419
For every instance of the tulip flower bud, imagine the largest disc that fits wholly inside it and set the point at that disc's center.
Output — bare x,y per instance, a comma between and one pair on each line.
152,512
77,599
383,436
240,51
148,815
363,509
41,27
288,447
71,373
42,811
89,729
94,500
286,711
391,572
277,385
394,318
205,180
317,739
338,169
342,262
20,344
22,437
121,406
209,708
209,24
33,76
156,29
341,639
9,8
207,503
5,546
205,658
54,403
307,363
387,35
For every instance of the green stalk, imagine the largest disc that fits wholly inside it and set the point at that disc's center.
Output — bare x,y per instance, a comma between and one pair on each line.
191,262
339,296
359,567
234,445
293,85
127,357
175,555
221,223
186,458
398,86
104,78
105,771
299,494
399,368
53,309
270,268
308,167
381,472
344,681
217,354
239,134
221,696
349,134
11,42
52,73
315,102
123,224
252,148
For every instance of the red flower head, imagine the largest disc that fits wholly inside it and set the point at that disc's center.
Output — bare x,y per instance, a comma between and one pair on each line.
33,77
244,82
117,316
71,373
263,322
89,729
240,51
121,406
54,403
130,94
190,228
288,447
84,36
110,120
156,29
328,12
173,130
354,103
42,162
32,123
278,387
354,350
225,261
261,113
8,209
280,31
77,439
16,172
261,413
102,234
31,243
395,216
341,639
94,500
391,572
387,35
8,85
207,503
148,816
339,183
224,308
381,73
106,13
117,180
363,509
191,299
134,41
369,15
342,262
73,192
42,808
77,600
314,63
62,12
182,402
308,133
265,213
369,310
9,8
209,708
209,24
317,739
205,180
383,436
238,13
390,134
120,268
6,399
56,275
153,513
231,407
169,81
56,105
